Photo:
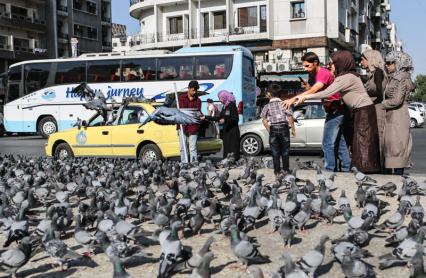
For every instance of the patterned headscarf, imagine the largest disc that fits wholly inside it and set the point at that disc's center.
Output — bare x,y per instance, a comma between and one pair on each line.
226,97
403,61
375,60
344,63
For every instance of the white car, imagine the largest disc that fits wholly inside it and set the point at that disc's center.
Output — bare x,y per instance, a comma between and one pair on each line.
417,117
421,106
309,130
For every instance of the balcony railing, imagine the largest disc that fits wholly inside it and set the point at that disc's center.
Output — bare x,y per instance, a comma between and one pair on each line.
224,33
21,19
5,47
106,19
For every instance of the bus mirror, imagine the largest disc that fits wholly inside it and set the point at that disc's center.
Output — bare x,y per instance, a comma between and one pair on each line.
84,124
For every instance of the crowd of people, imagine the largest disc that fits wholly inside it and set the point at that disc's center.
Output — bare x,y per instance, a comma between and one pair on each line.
366,126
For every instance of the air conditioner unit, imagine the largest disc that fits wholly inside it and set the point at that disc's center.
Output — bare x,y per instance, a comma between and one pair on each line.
283,67
270,67
259,66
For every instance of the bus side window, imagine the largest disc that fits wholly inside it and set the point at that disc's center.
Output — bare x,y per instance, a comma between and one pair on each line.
213,67
36,76
139,69
70,72
177,68
102,71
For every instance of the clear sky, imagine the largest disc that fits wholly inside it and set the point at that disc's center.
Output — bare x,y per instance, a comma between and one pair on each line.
409,16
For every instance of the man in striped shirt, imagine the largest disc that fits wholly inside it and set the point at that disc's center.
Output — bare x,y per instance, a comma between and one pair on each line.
276,120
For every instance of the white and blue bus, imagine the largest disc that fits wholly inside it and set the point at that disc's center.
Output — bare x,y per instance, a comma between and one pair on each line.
40,98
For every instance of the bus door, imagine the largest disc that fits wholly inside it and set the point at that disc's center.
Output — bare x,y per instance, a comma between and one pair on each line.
38,99
13,112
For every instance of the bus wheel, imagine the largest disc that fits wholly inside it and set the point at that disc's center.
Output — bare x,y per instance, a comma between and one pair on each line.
47,126
150,153
63,151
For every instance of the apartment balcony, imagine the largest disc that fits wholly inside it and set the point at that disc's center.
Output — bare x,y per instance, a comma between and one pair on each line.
235,34
62,10
137,6
22,22
106,20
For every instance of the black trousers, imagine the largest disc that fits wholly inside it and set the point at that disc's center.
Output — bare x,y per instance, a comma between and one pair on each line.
279,141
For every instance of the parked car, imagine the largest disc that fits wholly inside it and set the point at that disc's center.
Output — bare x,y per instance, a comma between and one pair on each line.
417,117
125,137
310,119
420,105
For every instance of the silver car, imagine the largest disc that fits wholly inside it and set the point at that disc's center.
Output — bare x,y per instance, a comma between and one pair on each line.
310,118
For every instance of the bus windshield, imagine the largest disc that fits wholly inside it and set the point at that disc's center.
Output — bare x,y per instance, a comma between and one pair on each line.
40,91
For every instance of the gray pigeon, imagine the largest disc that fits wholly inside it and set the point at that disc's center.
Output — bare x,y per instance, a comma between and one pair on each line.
287,231
170,116
417,268
245,251
361,177
355,268
197,258
314,258
346,247
13,259
119,271
203,269
290,269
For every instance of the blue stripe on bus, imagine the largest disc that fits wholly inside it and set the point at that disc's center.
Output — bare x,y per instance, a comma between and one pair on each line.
31,126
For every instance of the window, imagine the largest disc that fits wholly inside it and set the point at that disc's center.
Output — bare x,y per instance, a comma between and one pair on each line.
2,8
263,21
15,74
316,111
70,72
175,25
92,33
133,115
13,92
19,11
213,67
139,69
91,7
103,71
247,16
78,30
180,68
219,19
248,68
36,76
78,5
298,9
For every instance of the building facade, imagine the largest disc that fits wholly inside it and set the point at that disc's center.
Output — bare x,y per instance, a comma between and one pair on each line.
278,32
37,29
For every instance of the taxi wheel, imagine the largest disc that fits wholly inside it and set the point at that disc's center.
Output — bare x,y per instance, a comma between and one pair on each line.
47,126
150,153
63,151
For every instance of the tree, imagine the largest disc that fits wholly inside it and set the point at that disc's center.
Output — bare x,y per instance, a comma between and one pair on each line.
420,93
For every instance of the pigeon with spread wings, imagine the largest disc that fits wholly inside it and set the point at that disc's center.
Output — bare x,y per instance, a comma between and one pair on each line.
169,116
95,100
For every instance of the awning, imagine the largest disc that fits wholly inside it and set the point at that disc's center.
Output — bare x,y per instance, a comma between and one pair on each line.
285,77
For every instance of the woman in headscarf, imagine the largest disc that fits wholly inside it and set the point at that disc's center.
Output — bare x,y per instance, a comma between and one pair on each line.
373,62
228,118
398,141
365,141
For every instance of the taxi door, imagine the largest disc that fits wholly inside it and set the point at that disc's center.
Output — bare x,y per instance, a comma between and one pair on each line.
93,140
128,133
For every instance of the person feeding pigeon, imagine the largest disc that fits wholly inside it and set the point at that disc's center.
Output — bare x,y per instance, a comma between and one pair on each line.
190,132
276,119
365,142
228,118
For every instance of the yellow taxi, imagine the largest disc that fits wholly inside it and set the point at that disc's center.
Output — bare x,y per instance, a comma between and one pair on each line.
125,137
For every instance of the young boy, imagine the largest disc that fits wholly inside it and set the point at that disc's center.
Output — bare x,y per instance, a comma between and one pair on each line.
276,120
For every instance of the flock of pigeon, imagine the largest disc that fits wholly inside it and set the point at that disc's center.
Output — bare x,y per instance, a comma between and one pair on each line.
105,205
